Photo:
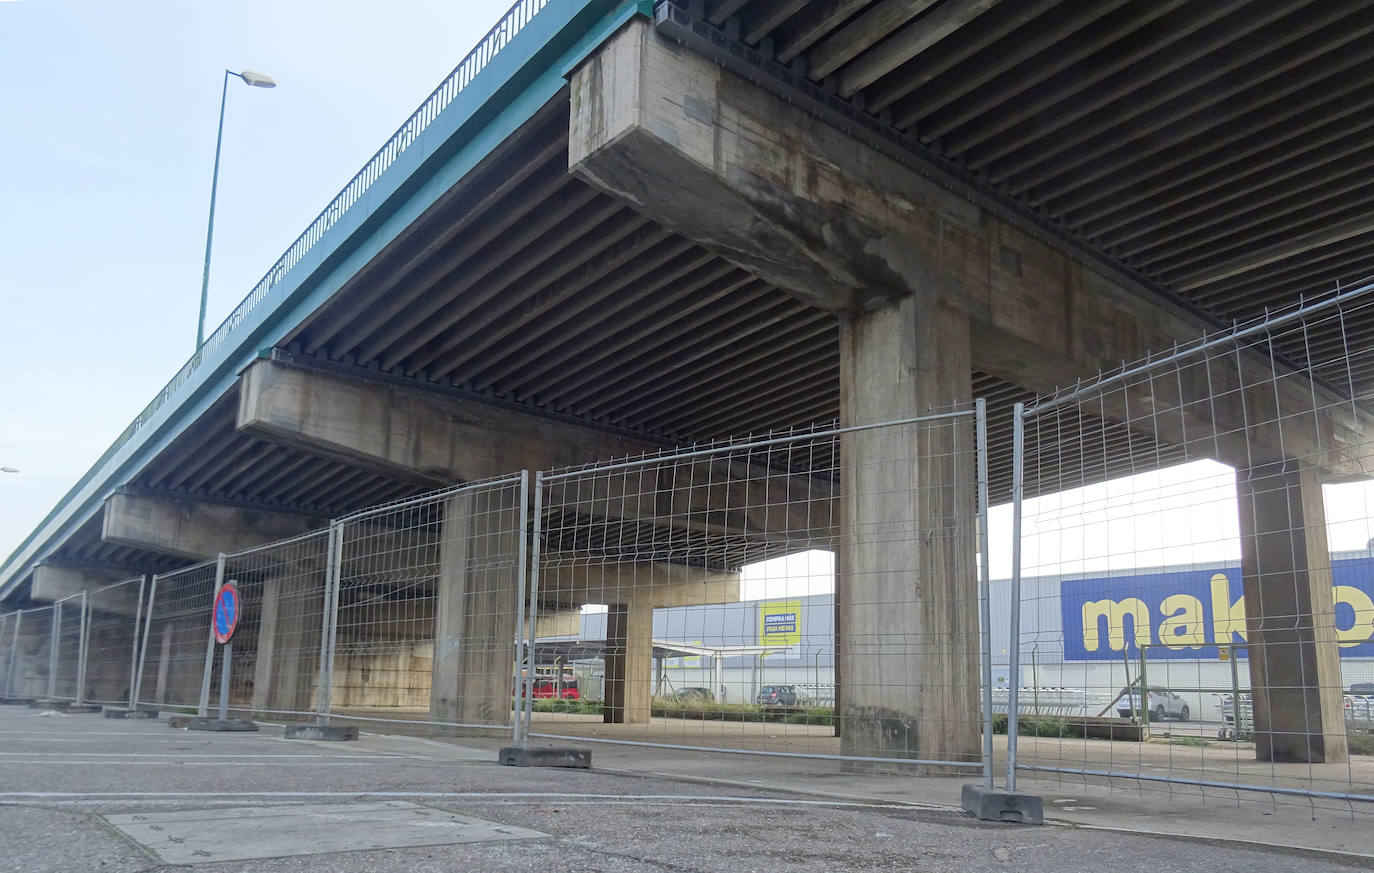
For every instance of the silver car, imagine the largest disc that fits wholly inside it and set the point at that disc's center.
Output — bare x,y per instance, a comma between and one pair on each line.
1163,704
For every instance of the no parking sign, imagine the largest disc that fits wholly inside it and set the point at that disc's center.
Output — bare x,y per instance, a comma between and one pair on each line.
226,612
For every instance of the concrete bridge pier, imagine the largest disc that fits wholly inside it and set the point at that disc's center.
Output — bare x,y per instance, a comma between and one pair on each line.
285,673
860,229
477,614
908,628
722,162
1295,667
629,663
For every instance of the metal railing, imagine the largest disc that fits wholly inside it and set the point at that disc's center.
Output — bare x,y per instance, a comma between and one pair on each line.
515,20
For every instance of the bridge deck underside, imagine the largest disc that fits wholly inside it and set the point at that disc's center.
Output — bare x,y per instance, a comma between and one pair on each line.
1217,152
526,289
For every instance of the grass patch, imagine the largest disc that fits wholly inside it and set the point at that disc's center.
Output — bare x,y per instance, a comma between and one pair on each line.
1361,744
1036,727
575,707
704,710
1196,742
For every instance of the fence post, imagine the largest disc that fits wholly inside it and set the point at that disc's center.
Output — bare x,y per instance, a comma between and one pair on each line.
83,646
527,685
137,691
1018,449
984,585
14,653
203,708
133,650
329,622
516,711
52,650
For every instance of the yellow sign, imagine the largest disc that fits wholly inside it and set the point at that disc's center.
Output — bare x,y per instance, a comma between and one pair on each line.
780,623
1223,653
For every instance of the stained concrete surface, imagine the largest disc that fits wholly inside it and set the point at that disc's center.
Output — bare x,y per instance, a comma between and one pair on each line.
61,776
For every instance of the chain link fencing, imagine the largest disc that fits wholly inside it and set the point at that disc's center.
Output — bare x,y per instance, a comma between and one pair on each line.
30,657
1174,525
9,642
731,599
426,609
113,632
176,626
67,671
277,642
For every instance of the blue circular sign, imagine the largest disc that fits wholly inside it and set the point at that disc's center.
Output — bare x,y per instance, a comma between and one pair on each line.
226,612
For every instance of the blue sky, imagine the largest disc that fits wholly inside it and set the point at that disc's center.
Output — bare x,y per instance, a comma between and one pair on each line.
107,135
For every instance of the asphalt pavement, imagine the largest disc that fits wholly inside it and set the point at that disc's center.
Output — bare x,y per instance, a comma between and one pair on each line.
80,792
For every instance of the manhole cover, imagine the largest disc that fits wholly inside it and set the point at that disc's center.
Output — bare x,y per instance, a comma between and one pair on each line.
198,836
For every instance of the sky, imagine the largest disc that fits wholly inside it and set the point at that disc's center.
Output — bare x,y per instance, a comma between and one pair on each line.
1181,516
108,113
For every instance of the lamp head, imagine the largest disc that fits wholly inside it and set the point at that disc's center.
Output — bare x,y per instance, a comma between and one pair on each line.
257,80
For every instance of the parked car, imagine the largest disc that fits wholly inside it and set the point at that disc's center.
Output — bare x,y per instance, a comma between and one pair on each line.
546,688
1163,704
778,695
692,695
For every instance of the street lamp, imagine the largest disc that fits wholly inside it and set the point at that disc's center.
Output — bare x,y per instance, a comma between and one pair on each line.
8,470
255,80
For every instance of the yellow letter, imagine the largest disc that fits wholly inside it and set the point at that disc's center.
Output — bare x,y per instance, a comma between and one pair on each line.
1182,625
1115,613
1227,617
1363,628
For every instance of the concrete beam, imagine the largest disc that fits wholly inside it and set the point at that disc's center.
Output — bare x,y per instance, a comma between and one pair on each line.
847,228
55,581
410,434
570,581
194,529
436,440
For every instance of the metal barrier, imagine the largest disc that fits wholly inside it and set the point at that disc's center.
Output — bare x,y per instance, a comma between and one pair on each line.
1171,547
66,674
424,606
172,652
704,554
113,632
30,654
275,663
9,644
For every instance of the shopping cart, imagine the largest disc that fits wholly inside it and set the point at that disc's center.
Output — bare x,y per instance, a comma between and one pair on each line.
1239,720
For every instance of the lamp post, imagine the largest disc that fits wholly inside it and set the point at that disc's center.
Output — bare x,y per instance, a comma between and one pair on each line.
8,470
255,80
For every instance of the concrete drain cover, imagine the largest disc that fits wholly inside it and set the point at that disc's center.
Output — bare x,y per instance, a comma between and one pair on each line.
200,836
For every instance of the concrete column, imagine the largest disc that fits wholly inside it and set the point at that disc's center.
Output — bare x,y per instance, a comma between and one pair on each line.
164,660
629,663
476,614
1295,671
263,671
907,636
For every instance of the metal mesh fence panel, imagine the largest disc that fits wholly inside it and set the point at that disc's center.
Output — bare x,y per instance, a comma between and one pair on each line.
426,609
69,633
113,631
1194,585
810,594
9,638
177,626
275,661
30,654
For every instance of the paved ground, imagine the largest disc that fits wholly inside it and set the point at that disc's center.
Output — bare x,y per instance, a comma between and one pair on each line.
72,786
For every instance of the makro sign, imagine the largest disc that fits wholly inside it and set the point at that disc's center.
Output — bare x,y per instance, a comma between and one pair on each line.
780,623
1186,614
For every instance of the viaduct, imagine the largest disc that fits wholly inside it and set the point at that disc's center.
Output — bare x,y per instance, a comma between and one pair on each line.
625,226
